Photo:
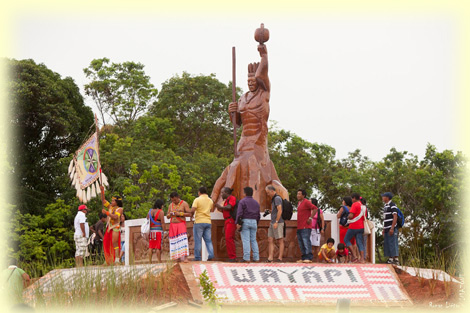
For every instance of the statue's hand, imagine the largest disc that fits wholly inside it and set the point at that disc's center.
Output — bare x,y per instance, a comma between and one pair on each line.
233,107
262,49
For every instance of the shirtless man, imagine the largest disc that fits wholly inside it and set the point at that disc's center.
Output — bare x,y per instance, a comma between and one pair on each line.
252,166
177,212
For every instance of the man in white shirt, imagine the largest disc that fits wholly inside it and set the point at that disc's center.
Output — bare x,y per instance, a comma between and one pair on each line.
81,234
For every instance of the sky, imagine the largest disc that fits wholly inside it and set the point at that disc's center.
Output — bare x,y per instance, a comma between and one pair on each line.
349,80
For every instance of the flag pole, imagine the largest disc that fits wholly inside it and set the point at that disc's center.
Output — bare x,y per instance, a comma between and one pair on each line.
98,154
234,99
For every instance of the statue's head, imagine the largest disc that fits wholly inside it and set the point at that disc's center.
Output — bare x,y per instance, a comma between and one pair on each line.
252,83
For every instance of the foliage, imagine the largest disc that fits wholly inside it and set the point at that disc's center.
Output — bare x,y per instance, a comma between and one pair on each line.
49,121
197,108
209,291
121,91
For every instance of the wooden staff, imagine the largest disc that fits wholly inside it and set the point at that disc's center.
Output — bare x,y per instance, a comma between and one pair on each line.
98,154
234,99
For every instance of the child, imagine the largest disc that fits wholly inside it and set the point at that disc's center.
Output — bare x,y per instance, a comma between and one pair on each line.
342,254
327,252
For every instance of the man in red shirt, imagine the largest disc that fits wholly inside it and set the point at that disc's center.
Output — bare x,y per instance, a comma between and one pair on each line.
230,225
305,211
356,225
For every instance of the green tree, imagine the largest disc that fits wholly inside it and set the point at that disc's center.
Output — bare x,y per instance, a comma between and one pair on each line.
121,91
49,121
197,108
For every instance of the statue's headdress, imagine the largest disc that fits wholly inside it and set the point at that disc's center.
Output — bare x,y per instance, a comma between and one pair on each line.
252,67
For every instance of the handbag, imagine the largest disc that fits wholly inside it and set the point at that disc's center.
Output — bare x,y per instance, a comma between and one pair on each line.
368,225
145,228
343,220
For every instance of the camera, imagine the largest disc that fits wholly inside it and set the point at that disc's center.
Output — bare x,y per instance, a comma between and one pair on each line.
266,213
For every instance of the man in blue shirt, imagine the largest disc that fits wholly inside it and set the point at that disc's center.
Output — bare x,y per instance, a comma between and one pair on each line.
248,215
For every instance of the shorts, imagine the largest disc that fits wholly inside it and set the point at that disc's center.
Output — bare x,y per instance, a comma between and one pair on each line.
276,233
315,237
81,244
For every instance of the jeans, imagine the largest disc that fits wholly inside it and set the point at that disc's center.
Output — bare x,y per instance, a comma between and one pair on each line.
305,245
355,233
202,230
248,235
391,243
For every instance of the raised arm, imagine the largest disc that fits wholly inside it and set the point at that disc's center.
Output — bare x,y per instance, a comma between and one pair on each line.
262,71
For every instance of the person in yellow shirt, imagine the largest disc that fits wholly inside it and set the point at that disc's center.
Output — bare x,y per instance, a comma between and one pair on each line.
202,207
327,252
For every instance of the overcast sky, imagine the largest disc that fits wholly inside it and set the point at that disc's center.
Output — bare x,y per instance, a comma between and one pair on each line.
368,82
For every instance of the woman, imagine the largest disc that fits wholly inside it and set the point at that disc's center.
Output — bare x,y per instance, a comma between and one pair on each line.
157,227
356,225
346,206
364,202
112,236
123,237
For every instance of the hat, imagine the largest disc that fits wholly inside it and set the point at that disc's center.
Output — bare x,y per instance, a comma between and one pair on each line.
117,198
82,207
388,195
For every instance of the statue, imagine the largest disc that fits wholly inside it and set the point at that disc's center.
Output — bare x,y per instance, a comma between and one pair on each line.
252,166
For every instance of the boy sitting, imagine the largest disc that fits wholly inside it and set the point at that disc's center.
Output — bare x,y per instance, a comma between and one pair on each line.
342,254
327,253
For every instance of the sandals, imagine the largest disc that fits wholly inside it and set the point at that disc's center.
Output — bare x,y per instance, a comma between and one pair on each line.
269,261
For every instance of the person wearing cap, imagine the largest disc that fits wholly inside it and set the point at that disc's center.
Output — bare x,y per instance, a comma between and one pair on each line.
390,229
112,236
81,234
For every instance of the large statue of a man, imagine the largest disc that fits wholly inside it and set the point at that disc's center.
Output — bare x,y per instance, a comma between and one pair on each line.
252,166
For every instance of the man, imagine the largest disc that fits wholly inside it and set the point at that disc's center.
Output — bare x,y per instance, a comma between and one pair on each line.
81,234
318,229
98,229
229,226
178,210
14,280
248,214
252,165
356,227
112,236
157,227
305,212
202,207
390,229
276,227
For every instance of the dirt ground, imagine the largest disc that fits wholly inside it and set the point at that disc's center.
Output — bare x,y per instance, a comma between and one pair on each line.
429,293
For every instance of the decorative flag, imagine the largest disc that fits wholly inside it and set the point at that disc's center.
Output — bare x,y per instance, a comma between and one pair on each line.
84,170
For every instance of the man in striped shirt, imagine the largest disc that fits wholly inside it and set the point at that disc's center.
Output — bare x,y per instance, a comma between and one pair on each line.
390,230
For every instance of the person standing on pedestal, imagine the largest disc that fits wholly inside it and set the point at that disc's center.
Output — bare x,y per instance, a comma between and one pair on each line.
157,227
248,216
305,211
177,212
202,227
230,227
276,227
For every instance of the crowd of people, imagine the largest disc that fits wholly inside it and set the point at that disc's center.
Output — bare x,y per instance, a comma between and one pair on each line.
242,215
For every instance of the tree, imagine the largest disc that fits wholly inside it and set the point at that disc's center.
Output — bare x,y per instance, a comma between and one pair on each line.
121,91
49,121
197,108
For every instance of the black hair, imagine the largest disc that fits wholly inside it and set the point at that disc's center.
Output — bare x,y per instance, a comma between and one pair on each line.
118,202
330,240
125,217
102,215
340,246
174,194
348,201
203,190
248,191
158,204
303,192
363,201
228,190
356,196
314,202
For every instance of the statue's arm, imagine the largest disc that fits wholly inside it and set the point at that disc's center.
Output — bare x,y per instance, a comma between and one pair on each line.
234,114
262,71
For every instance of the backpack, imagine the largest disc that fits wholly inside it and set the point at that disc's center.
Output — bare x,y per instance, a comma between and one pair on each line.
343,220
400,218
287,209
233,211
